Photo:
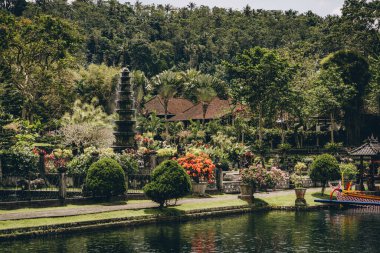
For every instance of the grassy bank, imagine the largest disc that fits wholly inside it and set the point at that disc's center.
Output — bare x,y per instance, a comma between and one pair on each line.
289,199
277,200
25,223
71,206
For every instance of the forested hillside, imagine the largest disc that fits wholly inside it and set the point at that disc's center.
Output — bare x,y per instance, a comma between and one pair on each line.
54,52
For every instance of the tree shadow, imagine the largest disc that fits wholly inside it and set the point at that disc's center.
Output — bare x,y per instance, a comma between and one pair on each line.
114,203
166,211
319,195
257,202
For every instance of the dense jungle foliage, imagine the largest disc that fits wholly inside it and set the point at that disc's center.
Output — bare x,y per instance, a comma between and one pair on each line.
54,53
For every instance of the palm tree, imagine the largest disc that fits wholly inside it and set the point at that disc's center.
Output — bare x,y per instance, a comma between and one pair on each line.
168,8
138,5
247,10
141,86
204,91
190,83
167,83
191,6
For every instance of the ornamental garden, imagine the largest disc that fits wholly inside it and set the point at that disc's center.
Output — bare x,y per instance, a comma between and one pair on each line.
132,110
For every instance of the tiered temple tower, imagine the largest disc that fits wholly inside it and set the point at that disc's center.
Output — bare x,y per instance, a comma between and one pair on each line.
126,122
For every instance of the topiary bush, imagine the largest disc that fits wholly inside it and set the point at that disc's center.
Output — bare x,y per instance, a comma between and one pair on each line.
324,168
79,165
105,178
169,181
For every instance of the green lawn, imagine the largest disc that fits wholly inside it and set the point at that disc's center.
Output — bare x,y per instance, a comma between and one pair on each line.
62,220
214,204
72,206
289,199
282,200
116,214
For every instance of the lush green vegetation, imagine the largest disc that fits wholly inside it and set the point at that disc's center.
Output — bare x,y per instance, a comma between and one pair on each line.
282,71
324,168
105,178
169,181
53,53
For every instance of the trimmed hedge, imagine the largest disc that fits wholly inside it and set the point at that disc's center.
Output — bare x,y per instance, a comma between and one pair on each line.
169,181
325,167
106,178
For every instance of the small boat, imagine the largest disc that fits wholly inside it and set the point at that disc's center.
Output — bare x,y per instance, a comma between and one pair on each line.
349,197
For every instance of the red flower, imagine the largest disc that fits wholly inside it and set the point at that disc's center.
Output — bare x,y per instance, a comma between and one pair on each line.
200,167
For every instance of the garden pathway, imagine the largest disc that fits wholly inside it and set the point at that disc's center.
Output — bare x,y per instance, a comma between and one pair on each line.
90,209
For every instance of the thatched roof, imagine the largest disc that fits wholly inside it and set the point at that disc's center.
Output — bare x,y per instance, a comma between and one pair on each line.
370,148
215,110
175,106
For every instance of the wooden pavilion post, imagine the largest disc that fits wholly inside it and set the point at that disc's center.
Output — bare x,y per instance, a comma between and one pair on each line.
361,171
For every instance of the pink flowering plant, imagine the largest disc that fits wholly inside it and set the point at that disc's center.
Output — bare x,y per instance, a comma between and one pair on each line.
255,175
275,177
259,177
146,142
58,158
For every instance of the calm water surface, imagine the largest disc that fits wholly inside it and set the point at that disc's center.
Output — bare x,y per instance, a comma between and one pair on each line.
324,231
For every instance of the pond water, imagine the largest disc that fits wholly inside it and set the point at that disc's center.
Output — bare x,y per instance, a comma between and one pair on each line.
322,231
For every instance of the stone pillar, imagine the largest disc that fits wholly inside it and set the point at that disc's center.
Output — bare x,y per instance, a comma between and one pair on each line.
153,162
62,186
1,171
219,178
300,197
41,164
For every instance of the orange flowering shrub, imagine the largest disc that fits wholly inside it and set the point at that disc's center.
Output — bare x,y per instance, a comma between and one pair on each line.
199,167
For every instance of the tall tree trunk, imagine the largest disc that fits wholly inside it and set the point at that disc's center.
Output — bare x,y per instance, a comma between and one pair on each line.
166,103
204,109
260,124
282,130
23,112
332,127
323,187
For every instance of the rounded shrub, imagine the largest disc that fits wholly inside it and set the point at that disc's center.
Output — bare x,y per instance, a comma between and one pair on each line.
106,178
325,167
169,181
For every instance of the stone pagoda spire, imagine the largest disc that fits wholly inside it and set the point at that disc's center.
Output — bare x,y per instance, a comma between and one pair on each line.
126,122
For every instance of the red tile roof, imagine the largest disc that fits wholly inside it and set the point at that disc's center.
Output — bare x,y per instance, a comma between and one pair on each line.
216,109
175,106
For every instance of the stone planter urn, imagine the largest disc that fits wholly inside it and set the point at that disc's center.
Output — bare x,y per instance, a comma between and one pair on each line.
161,159
199,188
246,192
62,169
300,197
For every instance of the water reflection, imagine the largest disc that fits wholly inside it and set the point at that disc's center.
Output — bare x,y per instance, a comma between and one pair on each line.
325,231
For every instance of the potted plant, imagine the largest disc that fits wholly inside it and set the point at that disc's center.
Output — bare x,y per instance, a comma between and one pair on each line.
247,186
275,176
200,168
252,178
299,188
164,154
59,158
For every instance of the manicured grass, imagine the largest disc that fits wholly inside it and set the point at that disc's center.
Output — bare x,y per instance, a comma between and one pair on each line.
73,206
62,220
286,199
289,199
211,204
69,189
175,210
